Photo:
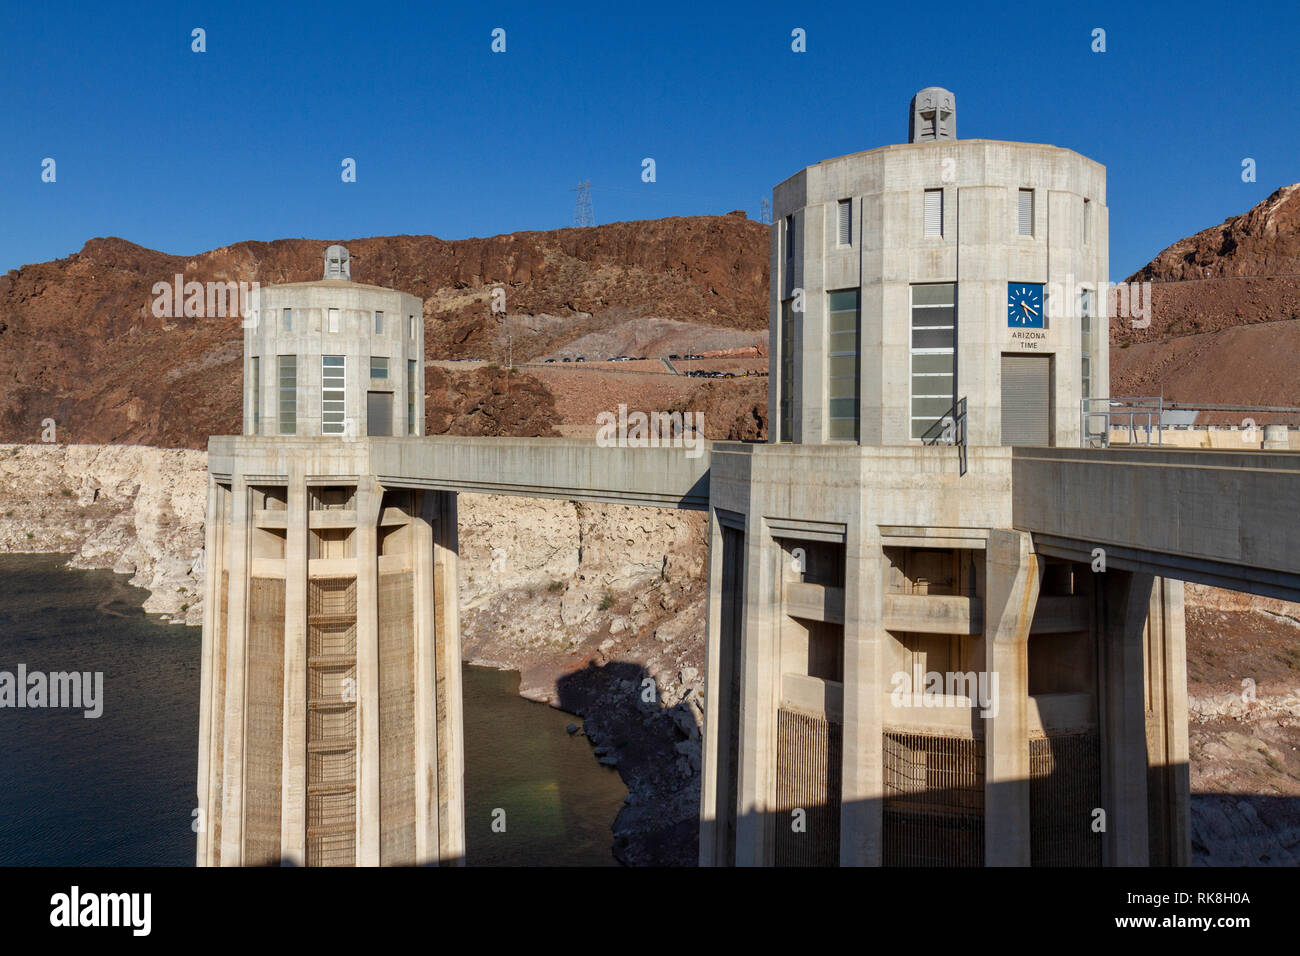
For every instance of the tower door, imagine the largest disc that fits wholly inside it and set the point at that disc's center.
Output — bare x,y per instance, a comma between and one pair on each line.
1026,399
379,414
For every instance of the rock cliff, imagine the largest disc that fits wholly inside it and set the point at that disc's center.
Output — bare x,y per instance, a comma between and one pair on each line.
133,509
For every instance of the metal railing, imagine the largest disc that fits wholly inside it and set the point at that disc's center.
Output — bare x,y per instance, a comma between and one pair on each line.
1143,418
950,429
1128,411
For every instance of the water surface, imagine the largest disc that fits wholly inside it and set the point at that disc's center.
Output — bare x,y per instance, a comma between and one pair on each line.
119,789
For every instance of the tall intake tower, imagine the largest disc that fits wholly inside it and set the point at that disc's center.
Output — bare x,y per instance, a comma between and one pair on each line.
896,675
330,639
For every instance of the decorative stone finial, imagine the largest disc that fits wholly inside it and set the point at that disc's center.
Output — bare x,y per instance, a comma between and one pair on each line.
933,116
337,263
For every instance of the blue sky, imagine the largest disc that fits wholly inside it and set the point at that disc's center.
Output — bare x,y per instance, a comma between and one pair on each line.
186,152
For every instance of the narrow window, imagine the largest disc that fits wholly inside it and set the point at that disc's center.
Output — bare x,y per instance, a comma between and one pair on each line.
333,395
255,373
288,384
334,320
410,396
288,320
1026,218
787,371
842,372
410,327
846,222
934,368
789,237
934,212
1085,335
379,323
379,366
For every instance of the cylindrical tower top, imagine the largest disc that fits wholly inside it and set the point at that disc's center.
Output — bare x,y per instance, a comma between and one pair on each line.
933,115
334,358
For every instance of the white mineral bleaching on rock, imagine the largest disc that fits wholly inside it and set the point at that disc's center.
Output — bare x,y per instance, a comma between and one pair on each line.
1219,599
1262,705
129,508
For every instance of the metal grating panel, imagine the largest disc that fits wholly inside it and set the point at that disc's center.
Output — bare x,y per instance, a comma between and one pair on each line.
331,719
934,800
334,639
326,724
396,720
728,709
332,848
1064,788
332,809
332,684
807,778
217,762
333,767
331,596
265,720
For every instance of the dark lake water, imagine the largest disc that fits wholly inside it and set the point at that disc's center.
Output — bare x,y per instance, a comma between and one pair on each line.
119,789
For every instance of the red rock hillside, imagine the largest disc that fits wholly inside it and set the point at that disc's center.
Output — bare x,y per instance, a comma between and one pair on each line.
79,342
1225,323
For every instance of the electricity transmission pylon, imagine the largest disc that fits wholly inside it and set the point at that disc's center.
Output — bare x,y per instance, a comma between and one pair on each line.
582,215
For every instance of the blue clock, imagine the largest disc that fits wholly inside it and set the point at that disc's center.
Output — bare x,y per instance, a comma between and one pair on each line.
1025,305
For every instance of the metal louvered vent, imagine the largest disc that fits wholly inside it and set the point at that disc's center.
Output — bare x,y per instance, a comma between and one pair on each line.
1026,399
934,212
1026,216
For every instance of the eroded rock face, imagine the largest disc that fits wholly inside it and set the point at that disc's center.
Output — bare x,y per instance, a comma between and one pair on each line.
136,510
1200,284
601,608
732,411
1265,238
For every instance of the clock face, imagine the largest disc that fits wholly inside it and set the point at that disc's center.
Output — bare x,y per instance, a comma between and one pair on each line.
1024,305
